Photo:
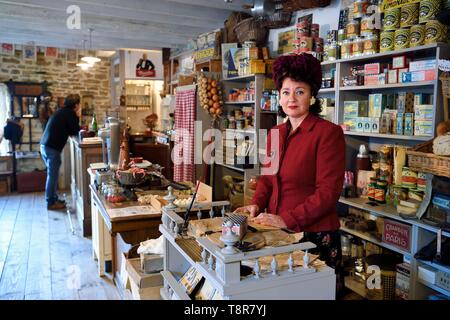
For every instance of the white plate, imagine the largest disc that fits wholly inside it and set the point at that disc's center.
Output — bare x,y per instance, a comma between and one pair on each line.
144,164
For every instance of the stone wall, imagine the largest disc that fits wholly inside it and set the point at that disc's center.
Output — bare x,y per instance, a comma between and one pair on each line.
63,78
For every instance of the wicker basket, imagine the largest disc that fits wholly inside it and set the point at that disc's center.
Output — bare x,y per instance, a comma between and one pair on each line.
279,19
295,5
422,159
251,29
445,81
234,18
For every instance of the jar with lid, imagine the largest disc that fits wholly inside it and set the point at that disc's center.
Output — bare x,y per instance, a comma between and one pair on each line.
357,47
346,49
380,191
371,188
370,44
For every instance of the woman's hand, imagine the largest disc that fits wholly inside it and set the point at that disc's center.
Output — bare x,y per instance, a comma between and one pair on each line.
268,219
253,209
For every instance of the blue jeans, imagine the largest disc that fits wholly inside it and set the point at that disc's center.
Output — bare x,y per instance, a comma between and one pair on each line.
52,159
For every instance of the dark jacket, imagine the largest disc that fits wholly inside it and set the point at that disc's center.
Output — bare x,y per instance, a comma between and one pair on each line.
62,124
307,175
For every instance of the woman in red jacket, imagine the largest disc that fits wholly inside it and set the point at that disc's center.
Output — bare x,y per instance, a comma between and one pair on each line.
300,187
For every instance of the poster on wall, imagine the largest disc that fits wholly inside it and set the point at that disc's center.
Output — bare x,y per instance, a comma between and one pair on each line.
72,55
29,52
145,64
285,41
51,52
7,48
18,51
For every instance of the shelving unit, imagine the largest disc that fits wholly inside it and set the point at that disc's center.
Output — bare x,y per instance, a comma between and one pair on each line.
421,233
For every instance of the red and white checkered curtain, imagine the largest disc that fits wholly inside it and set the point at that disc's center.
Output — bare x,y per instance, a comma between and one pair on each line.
185,110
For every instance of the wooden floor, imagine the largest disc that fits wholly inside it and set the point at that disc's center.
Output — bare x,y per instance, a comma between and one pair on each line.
41,259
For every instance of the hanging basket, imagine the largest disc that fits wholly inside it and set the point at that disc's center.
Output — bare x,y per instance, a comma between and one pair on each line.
279,19
251,29
295,5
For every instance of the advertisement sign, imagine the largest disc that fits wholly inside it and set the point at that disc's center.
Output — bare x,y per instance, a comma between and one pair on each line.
397,234
144,64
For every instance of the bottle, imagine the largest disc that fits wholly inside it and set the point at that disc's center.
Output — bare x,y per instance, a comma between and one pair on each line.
94,126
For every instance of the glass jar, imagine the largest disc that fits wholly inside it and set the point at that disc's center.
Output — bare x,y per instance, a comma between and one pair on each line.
346,49
380,191
357,47
371,188
370,44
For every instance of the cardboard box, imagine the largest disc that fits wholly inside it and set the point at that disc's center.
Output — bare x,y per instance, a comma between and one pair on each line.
402,280
393,76
399,62
423,128
399,122
377,103
422,65
423,112
143,286
408,127
397,234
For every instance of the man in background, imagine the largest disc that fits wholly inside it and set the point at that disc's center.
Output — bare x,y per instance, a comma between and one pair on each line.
62,124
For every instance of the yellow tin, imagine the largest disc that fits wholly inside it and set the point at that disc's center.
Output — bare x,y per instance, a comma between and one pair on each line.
401,39
409,15
417,35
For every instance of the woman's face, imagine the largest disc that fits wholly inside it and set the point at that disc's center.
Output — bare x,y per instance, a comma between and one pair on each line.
295,98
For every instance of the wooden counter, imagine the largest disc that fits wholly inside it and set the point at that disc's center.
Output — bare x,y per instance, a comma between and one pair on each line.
81,156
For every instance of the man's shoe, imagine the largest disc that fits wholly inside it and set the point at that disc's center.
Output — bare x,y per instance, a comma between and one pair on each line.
56,206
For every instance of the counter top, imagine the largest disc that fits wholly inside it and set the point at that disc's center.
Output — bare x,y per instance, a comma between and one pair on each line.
77,142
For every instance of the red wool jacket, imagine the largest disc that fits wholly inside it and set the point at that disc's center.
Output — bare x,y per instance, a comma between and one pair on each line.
305,175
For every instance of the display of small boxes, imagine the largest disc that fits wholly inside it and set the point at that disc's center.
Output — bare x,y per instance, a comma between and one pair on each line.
408,124
423,128
423,112
377,102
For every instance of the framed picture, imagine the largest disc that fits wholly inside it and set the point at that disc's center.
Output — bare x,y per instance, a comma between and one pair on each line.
87,105
72,55
8,49
61,53
18,51
285,41
51,52
29,52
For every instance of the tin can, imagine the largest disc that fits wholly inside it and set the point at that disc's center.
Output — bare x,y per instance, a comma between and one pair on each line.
435,32
391,19
428,10
357,47
318,45
341,35
315,30
409,15
360,8
353,28
346,49
306,43
371,43
401,39
417,35
303,28
387,41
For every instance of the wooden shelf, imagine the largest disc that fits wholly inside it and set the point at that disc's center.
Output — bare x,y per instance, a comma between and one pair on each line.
241,78
369,238
389,53
387,211
387,136
239,102
389,86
